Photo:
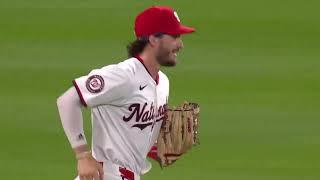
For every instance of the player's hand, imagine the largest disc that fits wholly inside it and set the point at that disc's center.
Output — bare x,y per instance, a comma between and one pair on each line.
89,169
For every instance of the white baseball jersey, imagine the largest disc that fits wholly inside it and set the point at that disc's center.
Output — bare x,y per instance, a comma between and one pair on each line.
128,107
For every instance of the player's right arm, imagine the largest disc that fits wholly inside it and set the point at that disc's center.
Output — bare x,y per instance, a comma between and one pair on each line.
69,106
107,85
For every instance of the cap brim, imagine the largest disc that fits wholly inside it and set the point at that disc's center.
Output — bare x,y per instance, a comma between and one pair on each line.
186,30
182,30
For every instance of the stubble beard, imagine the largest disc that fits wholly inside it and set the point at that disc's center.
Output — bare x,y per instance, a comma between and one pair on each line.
164,59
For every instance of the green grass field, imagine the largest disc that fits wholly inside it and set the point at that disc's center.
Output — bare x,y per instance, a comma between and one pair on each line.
252,65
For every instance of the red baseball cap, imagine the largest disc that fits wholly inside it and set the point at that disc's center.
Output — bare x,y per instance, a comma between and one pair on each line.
159,19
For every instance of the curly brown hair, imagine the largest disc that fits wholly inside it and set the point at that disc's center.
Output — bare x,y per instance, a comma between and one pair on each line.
137,46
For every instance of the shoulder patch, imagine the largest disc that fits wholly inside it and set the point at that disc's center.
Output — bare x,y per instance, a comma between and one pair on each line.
95,83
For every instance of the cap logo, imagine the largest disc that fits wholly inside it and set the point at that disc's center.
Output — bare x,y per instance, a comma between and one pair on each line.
176,15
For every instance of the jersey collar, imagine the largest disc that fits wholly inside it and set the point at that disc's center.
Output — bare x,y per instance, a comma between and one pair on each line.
141,60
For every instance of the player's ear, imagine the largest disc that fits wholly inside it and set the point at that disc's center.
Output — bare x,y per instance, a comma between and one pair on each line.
153,40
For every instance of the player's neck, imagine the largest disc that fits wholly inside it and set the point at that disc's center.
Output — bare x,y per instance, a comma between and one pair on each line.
151,64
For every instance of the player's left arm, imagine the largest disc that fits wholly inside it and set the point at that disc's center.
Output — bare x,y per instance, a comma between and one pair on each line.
153,153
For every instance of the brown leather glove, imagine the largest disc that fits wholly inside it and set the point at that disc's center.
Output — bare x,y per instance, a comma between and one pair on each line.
179,132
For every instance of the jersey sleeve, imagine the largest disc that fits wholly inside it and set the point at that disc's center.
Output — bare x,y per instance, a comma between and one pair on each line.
103,86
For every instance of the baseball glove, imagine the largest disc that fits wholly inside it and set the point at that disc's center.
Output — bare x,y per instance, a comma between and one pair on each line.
179,133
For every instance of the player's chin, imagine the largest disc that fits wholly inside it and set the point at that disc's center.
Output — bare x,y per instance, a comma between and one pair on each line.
169,63
173,59
170,60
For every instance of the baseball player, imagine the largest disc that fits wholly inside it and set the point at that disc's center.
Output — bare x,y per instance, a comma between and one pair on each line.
127,100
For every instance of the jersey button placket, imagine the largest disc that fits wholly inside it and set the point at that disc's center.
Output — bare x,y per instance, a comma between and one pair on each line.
154,118
155,106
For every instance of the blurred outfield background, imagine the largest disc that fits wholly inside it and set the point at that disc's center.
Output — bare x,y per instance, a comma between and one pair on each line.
253,66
